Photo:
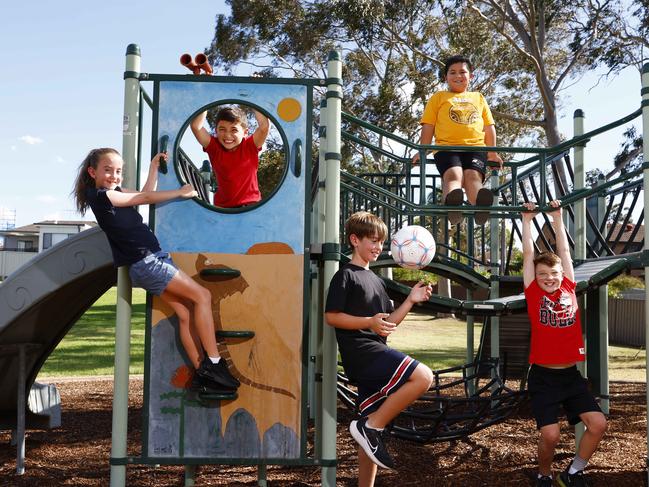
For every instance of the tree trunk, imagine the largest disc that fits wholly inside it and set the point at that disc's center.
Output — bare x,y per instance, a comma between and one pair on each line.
553,137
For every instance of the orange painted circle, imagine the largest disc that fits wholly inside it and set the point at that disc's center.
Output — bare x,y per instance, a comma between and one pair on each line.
289,109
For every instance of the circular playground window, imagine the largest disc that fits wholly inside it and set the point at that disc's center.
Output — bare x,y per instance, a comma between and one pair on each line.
235,155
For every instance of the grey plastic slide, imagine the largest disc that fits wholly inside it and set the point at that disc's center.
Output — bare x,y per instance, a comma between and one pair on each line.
40,302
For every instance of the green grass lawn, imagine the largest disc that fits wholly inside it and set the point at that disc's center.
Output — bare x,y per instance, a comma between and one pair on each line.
88,348
439,343
626,363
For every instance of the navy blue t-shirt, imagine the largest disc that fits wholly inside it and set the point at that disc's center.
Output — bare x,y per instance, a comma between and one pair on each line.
357,291
129,237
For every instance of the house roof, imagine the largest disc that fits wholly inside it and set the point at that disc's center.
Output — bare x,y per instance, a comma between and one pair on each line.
626,233
33,229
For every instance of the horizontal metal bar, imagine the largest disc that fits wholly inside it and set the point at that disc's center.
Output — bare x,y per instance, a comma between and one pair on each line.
203,78
322,462
579,140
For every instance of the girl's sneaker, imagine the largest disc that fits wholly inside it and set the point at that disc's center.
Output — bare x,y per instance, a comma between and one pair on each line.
218,374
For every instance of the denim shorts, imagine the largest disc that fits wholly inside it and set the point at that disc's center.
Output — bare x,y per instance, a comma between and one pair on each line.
153,273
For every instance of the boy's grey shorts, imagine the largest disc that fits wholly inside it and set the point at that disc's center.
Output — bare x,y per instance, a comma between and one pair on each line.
153,272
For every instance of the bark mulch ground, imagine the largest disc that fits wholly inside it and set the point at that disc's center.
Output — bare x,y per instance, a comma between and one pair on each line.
502,455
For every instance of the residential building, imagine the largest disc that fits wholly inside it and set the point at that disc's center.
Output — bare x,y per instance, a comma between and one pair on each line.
22,243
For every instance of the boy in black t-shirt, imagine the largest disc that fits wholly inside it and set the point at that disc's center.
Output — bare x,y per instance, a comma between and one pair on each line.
362,313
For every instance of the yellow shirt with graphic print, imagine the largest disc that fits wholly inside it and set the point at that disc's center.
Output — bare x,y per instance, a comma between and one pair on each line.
459,118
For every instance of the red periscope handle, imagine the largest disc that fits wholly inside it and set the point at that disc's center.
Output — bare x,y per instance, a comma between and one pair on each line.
187,61
203,63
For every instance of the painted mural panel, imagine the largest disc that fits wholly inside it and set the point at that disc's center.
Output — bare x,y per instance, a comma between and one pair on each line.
266,244
265,419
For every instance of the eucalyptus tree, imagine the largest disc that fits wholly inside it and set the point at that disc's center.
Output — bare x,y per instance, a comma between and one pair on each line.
525,51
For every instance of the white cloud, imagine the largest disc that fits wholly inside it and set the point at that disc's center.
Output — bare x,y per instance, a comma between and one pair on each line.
13,148
46,198
31,140
60,160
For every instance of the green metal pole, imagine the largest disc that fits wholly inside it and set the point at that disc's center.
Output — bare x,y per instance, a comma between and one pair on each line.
123,312
580,231
494,255
580,181
603,348
332,238
470,349
602,341
645,155
469,331
190,475
261,475
317,304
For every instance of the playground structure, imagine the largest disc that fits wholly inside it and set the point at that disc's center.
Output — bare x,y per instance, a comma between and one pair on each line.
293,241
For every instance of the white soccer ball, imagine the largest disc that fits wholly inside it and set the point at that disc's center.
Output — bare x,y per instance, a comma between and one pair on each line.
412,247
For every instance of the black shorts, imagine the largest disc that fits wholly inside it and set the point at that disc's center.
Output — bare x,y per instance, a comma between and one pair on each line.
551,388
466,160
382,377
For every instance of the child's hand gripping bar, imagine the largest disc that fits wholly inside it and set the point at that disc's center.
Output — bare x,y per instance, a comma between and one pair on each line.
164,142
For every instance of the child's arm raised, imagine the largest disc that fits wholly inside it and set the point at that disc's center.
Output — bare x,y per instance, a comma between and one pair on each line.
563,248
152,177
528,245
263,126
198,129
120,200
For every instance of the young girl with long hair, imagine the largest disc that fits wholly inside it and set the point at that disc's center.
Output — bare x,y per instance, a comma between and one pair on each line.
133,244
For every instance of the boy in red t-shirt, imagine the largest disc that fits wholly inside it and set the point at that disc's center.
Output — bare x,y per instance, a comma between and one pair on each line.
556,346
233,154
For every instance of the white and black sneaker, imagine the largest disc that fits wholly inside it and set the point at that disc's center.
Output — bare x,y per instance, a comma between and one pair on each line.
371,441
218,374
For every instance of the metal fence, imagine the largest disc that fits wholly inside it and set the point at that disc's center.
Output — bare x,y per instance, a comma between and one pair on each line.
626,323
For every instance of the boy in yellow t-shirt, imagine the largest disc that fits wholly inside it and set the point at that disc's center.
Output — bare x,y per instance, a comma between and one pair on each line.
460,117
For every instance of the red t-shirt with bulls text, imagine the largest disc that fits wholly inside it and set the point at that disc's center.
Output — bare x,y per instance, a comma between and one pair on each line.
556,324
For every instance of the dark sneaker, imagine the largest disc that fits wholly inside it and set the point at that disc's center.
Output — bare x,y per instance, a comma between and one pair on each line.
206,386
484,198
217,374
371,441
575,480
454,198
544,481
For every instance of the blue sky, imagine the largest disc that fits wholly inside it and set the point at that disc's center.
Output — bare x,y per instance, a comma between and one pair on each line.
62,90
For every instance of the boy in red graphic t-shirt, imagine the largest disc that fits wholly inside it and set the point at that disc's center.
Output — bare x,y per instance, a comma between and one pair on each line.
556,346
233,154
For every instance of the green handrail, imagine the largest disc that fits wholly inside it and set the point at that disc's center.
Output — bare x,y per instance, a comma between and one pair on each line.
526,150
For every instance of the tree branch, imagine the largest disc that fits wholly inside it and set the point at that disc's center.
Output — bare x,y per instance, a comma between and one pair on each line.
523,121
502,32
